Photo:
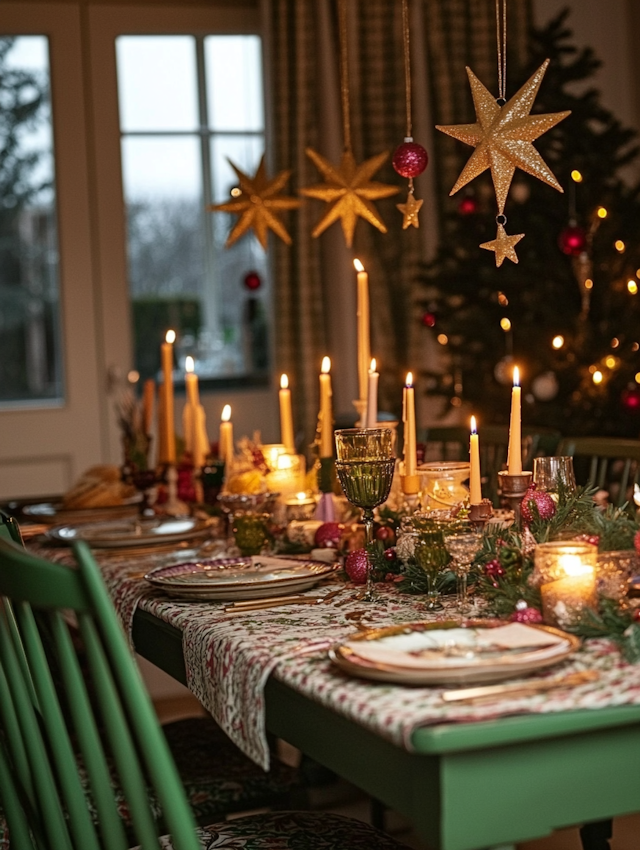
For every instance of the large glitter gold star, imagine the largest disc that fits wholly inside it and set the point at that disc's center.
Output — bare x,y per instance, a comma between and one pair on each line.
503,136
258,204
503,245
350,189
410,211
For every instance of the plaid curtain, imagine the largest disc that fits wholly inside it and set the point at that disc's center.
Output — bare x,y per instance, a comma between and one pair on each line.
314,279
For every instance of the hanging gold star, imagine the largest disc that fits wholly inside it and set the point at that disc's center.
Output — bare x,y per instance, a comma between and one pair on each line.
258,204
410,211
350,191
503,245
502,136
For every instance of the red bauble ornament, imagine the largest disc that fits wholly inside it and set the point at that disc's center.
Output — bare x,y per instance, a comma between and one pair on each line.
410,159
526,615
542,501
636,615
636,542
386,534
356,566
468,206
252,281
428,319
630,399
572,240
328,535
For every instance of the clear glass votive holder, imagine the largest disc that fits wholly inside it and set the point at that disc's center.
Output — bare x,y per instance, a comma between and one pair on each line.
553,473
566,573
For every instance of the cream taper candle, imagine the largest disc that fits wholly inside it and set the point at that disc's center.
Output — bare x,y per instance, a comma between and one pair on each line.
326,412
225,448
372,396
514,458
167,398
286,416
364,348
475,487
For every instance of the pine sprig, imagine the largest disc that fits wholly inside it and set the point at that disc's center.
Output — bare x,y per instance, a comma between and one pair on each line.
574,515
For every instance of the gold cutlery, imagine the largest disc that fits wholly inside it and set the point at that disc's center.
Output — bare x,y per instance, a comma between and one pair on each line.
278,601
489,692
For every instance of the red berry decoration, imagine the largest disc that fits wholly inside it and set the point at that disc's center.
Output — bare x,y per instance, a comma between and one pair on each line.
493,569
594,539
356,566
636,542
573,240
390,553
328,535
468,206
428,319
410,159
526,615
533,499
386,534
252,280
630,399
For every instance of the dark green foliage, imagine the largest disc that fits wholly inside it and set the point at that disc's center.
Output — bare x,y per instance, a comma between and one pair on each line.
468,294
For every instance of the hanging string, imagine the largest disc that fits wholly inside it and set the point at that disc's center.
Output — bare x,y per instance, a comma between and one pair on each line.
407,64
344,73
501,38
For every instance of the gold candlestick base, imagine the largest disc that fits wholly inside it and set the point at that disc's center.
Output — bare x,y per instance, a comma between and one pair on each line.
513,488
480,514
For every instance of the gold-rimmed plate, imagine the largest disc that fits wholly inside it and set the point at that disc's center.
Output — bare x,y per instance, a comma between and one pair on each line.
230,579
55,513
428,653
133,533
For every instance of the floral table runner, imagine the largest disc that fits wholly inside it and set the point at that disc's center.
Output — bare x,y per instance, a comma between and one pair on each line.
229,658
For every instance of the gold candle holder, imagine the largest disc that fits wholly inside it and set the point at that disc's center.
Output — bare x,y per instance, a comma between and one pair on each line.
513,488
480,514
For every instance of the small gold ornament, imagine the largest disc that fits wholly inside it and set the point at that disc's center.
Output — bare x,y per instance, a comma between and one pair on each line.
503,245
410,211
348,187
503,136
258,204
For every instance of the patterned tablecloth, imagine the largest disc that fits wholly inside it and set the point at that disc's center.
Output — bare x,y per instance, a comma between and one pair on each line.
229,658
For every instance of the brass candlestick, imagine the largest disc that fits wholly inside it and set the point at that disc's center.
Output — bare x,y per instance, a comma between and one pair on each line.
513,488
480,514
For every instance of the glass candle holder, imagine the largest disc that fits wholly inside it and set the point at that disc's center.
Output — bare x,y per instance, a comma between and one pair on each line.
567,573
554,473
441,484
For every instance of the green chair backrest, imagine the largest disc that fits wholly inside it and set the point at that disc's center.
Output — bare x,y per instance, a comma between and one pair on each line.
453,444
608,463
9,528
46,804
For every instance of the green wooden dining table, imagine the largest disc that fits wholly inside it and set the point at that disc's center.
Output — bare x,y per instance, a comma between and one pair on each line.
463,786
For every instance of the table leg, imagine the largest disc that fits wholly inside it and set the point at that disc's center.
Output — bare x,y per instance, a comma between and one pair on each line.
595,836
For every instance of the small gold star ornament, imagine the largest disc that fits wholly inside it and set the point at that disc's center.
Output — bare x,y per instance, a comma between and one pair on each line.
410,211
503,135
350,191
258,204
503,245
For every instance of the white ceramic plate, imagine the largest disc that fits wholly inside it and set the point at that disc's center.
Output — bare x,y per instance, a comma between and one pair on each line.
433,667
225,579
55,512
125,534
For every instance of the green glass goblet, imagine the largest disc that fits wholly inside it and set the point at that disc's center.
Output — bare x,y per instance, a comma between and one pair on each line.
432,557
365,465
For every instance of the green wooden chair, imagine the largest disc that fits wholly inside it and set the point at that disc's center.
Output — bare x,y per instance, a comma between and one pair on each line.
57,770
608,463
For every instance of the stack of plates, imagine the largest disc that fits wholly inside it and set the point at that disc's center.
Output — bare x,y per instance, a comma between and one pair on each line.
222,579
448,653
125,534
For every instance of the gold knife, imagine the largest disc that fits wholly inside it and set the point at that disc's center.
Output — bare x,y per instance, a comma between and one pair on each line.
486,692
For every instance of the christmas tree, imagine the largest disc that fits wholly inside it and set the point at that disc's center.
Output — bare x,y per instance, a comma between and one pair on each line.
569,313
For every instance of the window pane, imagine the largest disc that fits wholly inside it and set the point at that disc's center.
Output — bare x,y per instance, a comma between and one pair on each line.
30,351
157,82
234,82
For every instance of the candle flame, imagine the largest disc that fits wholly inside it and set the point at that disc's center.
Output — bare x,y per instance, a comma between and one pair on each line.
189,364
409,381
284,382
170,337
301,497
326,365
573,566
516,376
474,429
358,265
226,413
372,368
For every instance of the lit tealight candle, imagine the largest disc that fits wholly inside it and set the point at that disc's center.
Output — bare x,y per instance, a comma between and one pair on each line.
226,435
410,481
286,416
326,412
565,601
475,487
364,349
514,458
372,396
169,436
